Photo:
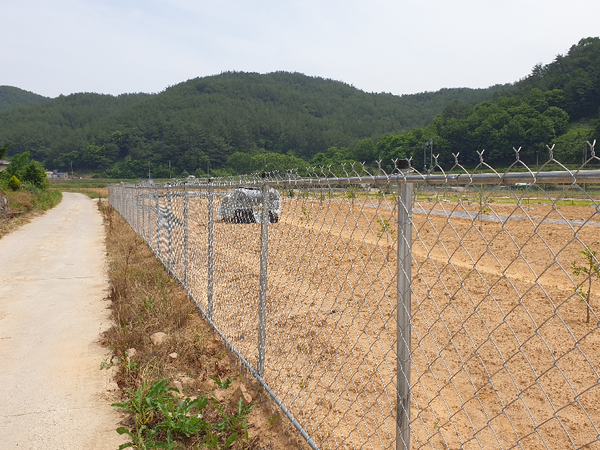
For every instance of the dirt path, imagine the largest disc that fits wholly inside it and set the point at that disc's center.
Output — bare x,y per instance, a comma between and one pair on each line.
52,285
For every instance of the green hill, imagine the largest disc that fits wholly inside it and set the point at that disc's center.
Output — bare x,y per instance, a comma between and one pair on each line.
238,122
557,103
206,120
11,97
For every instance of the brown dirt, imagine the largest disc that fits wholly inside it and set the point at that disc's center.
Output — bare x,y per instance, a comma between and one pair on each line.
502,355
147,300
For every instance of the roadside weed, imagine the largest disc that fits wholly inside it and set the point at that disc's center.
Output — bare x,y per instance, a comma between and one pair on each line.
235,425
143,402
222,384
164,421
590,269
183,418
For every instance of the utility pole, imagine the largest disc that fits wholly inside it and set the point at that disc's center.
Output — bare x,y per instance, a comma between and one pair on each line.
430,154
430,145
169,170
71,168
148,170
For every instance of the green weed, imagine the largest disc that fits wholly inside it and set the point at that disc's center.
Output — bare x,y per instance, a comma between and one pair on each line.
107,363
183,418
591,269
306,215
143,402
222,384
234,426
385,229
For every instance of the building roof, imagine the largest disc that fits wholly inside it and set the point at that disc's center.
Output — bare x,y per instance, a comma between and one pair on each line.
4,162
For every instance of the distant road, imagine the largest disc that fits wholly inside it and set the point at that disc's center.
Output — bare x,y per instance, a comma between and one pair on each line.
52,285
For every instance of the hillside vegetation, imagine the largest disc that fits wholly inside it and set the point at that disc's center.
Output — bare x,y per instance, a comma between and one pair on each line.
204,121
237,122
11,97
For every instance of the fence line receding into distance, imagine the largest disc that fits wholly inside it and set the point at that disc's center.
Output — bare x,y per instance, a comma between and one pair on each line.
453,309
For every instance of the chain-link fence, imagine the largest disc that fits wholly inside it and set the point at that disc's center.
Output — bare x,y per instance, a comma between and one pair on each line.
449,309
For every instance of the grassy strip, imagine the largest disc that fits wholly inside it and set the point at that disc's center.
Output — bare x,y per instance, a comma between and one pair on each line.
192,359
91,192
25,204
85,183
47,199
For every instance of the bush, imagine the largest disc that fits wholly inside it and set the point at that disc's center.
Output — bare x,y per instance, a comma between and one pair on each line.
36,174
14,183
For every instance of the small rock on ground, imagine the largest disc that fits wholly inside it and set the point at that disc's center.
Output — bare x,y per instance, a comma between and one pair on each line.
158,338
240,392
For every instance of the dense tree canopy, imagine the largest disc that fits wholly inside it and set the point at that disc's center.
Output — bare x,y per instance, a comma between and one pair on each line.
558,103
575,76
243,122
24,169
204,122
11,97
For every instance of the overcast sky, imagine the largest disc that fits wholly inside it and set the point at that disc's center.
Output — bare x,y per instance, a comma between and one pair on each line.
54,47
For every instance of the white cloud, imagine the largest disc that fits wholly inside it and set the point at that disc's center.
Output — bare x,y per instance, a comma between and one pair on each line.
114,46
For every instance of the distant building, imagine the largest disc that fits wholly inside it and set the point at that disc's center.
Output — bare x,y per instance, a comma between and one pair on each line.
4,164
57,175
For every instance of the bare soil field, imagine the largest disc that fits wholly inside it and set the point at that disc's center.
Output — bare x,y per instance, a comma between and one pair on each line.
502,356
145,300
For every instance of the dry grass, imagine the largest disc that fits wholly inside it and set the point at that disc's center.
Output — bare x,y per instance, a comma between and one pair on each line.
25,205
91,192
146,300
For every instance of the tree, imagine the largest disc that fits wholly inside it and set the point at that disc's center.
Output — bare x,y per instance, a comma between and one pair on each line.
24,169
18,164
3,150
365,151
36,175
14,183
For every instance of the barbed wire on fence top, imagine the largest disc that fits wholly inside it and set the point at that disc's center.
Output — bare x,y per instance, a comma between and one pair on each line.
402,170
499,354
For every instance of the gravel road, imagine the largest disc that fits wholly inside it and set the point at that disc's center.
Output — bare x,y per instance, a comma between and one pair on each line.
52,285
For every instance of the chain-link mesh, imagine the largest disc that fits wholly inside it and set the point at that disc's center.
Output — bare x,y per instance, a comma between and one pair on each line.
449,309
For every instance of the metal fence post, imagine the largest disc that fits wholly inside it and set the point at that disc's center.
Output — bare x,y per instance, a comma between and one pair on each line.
129,207
169,227
136,208
185,235
142,208
150,217
211,262
405,194
262,300
158,222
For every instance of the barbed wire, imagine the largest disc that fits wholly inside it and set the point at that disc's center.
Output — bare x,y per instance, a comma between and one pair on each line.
444,309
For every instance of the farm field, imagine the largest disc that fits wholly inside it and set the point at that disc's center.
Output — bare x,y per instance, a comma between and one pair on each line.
502,355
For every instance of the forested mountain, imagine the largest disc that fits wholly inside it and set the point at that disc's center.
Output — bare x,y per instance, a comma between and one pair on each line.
206,120
238,122
557,103
11,97
576,74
